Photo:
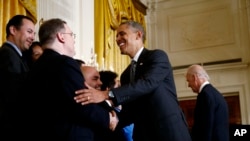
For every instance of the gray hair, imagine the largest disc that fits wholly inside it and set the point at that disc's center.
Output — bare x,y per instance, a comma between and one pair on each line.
199,71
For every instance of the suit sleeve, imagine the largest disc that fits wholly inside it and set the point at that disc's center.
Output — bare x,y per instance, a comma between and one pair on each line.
151,70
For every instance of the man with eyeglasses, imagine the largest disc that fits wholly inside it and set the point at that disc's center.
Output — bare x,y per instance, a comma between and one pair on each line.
72,34
51,112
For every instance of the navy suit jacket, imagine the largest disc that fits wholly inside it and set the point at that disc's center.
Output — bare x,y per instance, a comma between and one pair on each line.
51,112
151,101
13,73
211,117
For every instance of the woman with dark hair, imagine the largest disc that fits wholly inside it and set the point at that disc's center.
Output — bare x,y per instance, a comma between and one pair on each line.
33,53
108,79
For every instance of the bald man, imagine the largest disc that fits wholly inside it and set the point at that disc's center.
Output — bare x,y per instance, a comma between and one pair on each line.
92,76
211,118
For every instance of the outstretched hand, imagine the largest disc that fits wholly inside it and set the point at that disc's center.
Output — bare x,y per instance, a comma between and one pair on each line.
90,95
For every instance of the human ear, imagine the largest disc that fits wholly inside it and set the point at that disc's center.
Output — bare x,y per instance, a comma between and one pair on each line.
60,37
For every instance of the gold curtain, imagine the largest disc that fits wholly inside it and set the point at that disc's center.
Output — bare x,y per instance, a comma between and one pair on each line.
108,15
9,8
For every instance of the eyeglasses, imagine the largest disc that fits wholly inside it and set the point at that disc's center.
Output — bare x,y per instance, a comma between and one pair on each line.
71,34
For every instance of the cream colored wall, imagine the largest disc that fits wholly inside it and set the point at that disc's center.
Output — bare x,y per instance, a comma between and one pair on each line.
79,15
203,31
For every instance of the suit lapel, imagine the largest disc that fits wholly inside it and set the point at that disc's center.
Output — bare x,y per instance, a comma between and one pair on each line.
21,60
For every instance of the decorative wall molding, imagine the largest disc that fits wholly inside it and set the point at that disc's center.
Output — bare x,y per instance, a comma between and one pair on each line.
200,28
140,6
212,33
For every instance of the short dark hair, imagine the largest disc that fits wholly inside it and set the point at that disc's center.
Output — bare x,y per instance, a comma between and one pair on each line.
35,43
137,26
49,29
17,22
108,79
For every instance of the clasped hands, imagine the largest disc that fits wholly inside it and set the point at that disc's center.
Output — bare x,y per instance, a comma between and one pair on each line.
91,95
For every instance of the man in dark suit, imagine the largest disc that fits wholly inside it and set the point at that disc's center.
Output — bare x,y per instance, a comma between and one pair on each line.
50,110
150,101
211,117
13,71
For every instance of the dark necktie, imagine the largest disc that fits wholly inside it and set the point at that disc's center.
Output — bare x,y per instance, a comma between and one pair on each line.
132,71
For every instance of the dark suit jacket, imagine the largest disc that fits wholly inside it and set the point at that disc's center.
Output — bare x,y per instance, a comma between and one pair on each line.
211,117
51,112
151,102
13,72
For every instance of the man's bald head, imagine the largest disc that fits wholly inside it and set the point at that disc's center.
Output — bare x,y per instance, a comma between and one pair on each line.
196,76
91,76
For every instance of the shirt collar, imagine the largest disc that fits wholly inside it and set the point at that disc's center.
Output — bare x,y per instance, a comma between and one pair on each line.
136,57
203,85
15,47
